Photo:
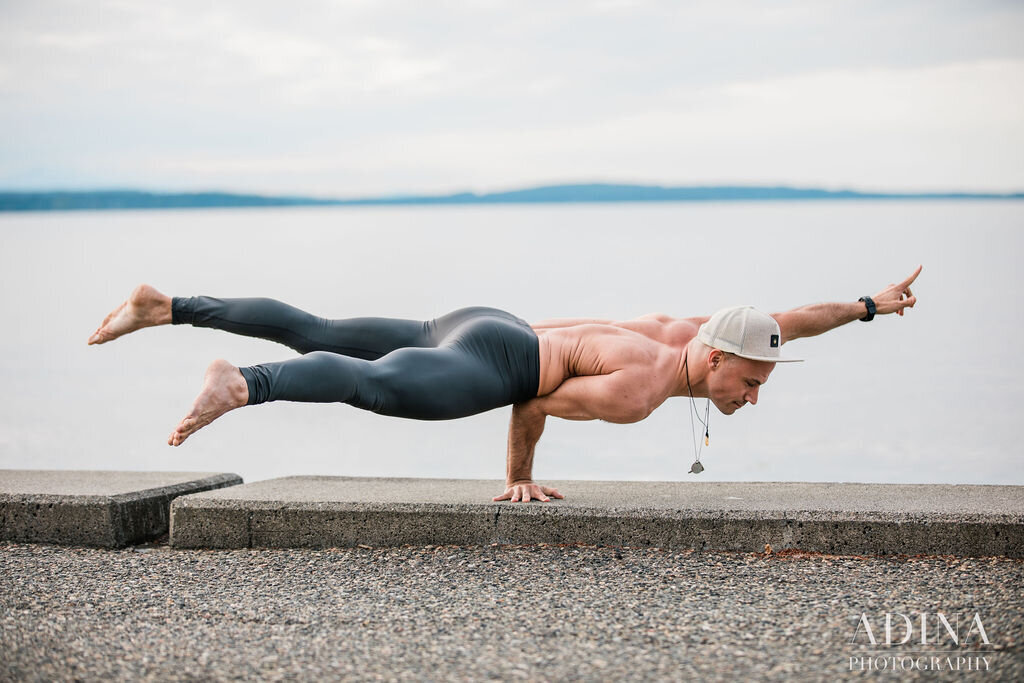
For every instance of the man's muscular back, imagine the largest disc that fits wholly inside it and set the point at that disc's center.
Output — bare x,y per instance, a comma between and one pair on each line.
617,371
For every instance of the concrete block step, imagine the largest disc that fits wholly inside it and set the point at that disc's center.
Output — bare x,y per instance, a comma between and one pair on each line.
95,507
883,519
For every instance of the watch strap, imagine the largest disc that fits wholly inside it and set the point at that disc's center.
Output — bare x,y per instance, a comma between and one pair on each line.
871,308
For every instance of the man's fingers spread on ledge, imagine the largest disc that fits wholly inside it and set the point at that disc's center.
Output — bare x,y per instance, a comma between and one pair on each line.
526,493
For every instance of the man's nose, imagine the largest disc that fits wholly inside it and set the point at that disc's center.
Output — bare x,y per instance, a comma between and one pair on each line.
751,396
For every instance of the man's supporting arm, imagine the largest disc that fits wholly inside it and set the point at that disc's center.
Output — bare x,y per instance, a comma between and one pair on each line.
619,397
815,319
524,430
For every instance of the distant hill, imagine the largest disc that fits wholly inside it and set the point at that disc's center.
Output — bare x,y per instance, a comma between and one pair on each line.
128,199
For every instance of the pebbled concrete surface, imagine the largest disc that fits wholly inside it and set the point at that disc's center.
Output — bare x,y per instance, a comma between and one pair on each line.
827,517
94,507
579,613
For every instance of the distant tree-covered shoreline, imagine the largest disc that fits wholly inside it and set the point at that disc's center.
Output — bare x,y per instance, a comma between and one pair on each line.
580,193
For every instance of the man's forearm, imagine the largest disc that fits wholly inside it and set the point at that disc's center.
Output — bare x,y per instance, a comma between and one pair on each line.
524,431
815,319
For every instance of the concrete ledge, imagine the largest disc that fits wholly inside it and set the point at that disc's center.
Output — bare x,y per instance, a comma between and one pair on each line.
833,518
94,508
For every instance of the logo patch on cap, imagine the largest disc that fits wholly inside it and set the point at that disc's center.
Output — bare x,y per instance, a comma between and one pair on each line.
775,341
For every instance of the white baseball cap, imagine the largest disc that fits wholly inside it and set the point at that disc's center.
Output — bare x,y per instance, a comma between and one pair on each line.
745,332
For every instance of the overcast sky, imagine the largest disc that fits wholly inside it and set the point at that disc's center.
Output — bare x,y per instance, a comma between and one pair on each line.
347,98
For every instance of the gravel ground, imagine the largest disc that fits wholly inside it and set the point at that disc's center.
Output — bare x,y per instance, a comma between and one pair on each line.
457,613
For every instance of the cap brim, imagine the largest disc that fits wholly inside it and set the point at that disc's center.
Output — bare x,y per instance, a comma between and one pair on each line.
768,359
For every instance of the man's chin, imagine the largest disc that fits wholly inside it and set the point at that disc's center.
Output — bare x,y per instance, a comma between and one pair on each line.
726,409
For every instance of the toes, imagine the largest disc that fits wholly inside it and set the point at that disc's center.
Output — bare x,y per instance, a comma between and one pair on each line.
110,316
186,428
102,334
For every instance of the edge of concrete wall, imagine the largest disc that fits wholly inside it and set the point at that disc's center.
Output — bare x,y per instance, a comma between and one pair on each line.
229,520
107,521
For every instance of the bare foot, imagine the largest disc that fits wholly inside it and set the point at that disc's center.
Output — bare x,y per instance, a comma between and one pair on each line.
145,307
224,389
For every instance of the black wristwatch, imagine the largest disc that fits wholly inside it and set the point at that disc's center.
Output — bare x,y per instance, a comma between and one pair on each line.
871,308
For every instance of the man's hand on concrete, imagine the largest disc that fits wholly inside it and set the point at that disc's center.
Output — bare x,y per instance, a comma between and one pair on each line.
526,490
897,297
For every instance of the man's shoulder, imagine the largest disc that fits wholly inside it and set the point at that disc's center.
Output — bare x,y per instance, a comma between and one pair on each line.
665,319
657,317
663,328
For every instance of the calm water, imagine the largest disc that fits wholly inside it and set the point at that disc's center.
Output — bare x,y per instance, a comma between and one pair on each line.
933,397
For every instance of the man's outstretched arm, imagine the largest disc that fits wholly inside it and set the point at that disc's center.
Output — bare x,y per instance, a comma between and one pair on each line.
815,319
568,322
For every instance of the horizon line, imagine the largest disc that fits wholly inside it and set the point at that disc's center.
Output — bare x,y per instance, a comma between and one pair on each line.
129,198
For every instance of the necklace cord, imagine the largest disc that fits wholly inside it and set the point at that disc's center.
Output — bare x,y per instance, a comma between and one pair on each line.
707,414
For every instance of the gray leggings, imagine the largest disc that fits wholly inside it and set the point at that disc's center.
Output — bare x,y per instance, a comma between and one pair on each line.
466,362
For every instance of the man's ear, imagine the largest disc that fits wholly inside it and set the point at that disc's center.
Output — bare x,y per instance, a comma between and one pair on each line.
715,359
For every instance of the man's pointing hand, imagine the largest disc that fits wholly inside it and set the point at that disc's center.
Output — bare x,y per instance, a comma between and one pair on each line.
896,297
525,491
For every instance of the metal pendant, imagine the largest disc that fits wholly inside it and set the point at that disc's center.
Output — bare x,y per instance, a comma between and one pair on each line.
696,468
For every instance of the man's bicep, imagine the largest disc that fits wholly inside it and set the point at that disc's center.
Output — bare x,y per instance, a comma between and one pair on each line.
614,397
789,324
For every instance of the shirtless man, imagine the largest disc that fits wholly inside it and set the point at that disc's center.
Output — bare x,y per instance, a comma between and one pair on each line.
477,359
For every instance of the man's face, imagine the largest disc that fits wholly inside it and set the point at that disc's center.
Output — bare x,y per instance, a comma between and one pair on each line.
734,382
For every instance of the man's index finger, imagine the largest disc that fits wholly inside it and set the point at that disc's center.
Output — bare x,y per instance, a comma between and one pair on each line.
913,276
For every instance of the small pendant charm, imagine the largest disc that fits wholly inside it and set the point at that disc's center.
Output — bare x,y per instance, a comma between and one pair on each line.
696,468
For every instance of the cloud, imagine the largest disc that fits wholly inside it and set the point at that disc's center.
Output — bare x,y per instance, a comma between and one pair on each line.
361,97
898,129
